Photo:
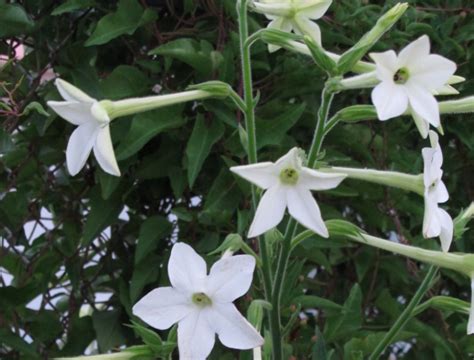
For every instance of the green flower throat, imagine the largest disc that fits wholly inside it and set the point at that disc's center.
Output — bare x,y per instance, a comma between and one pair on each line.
201,299
289,176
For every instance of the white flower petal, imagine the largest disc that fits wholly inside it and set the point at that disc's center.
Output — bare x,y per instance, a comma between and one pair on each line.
71,93
390,100
74,112
196,337
304,209
163,307
433,72
423,102
441,192
317,180
290,159
230,278
269,212
79,146
282,24
470,324
386,65
186,269
422,125
447,229
264,174
316,11
233,329
432,161
104,152
305,26
415,52
431,224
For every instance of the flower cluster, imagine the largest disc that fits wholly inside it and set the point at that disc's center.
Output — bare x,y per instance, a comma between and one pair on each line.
202,304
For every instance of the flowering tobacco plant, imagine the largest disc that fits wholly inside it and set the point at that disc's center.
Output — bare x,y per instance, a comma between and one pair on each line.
279,284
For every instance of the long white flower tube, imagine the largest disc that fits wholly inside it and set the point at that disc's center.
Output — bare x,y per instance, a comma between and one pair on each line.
288,184
93,117
201,304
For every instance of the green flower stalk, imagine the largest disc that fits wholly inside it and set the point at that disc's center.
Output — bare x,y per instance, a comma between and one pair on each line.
142,351
385,23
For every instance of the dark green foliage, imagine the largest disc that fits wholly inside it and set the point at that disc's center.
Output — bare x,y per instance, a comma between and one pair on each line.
176,185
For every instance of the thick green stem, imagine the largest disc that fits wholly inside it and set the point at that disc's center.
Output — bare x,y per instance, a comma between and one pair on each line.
252,140
406,315
291,228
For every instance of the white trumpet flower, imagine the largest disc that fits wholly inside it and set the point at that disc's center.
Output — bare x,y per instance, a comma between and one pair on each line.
294,15
92,132
437,221
288,184
201,304
408,82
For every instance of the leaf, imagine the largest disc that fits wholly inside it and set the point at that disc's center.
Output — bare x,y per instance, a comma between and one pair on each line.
125,81
319,347
196,54
15,342
14,21
200,144
152,230
147,125
144,273
35,106
107,325
102,214
72,5
272,131
349,319
128,17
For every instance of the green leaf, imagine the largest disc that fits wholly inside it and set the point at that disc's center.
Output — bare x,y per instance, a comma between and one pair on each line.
14,21
152,231
319,347
35,106
199,145
107,325
196,54
144,273
102,214
125,81
128,17
311,301
149,337
272,131
72,5
147,125
15,342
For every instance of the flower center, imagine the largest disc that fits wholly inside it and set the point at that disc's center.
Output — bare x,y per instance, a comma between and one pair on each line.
401,76
201,299
289,176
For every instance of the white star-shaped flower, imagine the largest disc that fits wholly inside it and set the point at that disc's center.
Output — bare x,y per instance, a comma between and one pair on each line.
288,184
437,221
409,80
294,15
201,304
92,133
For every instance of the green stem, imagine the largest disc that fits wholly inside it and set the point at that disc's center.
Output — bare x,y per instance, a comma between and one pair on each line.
406,315
252,139
291,228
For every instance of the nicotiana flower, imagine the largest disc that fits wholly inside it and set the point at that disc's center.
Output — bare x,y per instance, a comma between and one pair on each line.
201,304
437,221
408,82
294,15
92,133
288,184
